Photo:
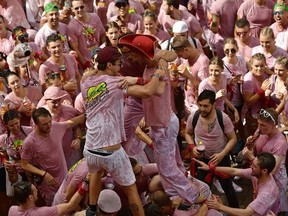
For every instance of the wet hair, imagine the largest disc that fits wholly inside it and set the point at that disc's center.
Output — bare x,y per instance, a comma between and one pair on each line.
282,60
149,13
268,118
109,25
259,57
40,112
53,38
216,61
267,32
207,94
22,190
241,23
174,3
266,161
231,41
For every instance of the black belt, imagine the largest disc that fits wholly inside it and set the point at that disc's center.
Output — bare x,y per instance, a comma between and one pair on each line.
101,152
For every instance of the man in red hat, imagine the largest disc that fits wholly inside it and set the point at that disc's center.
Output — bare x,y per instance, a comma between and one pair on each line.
163,122
104,100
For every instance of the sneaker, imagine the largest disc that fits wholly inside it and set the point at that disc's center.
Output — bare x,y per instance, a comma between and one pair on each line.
237,188
236,178
217,184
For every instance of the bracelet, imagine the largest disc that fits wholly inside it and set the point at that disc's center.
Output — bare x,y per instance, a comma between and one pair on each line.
140,81
156,75
260,92
44,174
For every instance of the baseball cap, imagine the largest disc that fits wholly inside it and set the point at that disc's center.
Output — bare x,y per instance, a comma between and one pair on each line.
50,7
109,201
108,54
54,93
180,27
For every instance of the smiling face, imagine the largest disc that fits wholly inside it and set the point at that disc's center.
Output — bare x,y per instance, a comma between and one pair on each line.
267,42
55,48
230,50
242,33
78,8
280,16
280,71
14,126
53,19
258,67
149,24
215,71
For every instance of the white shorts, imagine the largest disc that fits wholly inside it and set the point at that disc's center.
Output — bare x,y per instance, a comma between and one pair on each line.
117,165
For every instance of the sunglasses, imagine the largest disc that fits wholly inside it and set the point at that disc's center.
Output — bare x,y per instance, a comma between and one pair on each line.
54,76
266,114
241,33
81,7
233,51
278,12
119,5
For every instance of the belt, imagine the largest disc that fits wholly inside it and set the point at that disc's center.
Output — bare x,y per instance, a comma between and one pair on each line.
101,152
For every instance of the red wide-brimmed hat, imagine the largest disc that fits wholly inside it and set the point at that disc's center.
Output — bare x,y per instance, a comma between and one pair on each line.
145,44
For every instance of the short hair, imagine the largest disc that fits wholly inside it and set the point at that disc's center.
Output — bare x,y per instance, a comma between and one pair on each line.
152,209
40,112
270,116
180,42
160,198
268,32
266,161
231,41
22,190
53,38
174,3
282,60
207,94
241,23
216,61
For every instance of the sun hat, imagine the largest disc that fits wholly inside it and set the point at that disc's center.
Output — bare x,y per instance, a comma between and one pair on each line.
109,201
54,93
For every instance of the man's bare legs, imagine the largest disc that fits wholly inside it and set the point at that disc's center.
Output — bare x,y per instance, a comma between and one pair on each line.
134,200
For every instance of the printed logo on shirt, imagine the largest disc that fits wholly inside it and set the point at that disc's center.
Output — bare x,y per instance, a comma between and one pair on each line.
96,94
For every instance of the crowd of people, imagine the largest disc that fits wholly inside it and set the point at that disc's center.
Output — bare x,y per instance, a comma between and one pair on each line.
135,88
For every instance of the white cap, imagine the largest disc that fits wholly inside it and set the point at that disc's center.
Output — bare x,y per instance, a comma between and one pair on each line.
180,27
109,201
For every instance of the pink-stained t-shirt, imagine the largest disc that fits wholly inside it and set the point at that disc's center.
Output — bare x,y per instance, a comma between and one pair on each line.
226,10
65,100
134,24
270,58
154,104
79,32
14,15
46,153
193,25
133,5
206,84
74,178
231,70
267,195
251,85
48,66
79,103
282,40
35,211
246,50
278,90
202,7
258,16
104,108
66,113
45,31
276,145
161,35
276,30
7,44
215,141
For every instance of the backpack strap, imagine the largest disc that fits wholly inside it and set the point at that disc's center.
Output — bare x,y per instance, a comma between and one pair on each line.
194,42
220,119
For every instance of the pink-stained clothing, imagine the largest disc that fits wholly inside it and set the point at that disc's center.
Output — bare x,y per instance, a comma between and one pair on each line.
276,145
34,10
166,45
246,50
278,90
276,30
44,211
66,113
167,22
46,153
133,5
215,141
230,70
86,34
258,16
104,107
252,85
282,40
45,31
79,103
11,9
270,58
48,66
206,84
267,195
134,24
65,100
226,10
74,178
153,104
7,44
202,7
161,35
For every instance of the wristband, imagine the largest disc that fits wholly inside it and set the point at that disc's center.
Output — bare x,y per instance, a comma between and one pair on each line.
140,81
191,146
260,92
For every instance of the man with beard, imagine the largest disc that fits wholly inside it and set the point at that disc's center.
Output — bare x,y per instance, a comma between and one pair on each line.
265,188
218,142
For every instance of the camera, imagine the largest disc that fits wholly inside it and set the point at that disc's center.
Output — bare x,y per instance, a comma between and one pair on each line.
24,50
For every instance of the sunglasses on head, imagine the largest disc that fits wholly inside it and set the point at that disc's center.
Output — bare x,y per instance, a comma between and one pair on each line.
266,114
54,76
121,4
81,7
278,12
227,51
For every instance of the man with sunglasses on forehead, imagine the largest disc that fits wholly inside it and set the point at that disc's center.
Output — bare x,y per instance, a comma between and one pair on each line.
245,40
85,32
273,141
